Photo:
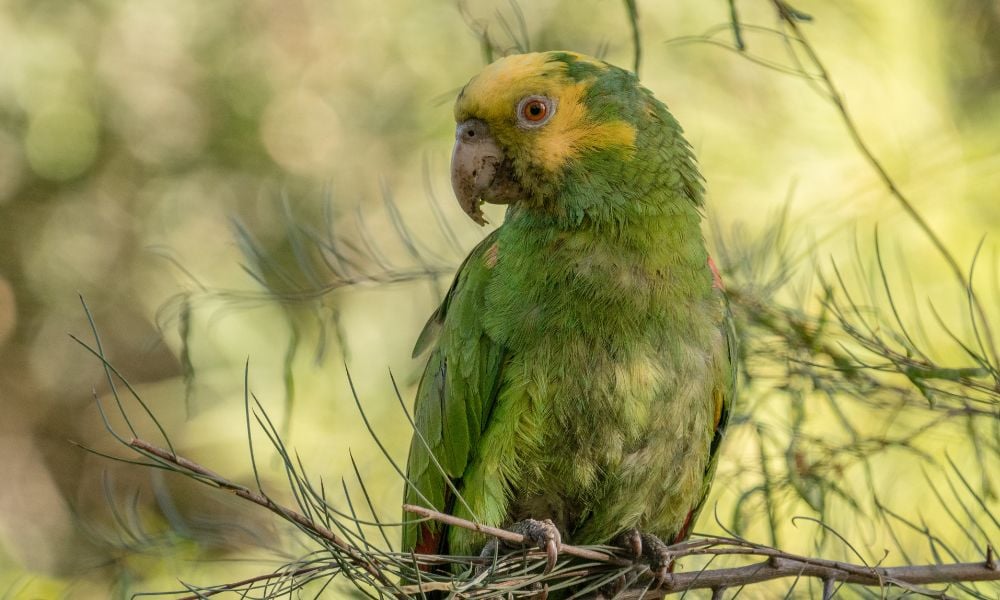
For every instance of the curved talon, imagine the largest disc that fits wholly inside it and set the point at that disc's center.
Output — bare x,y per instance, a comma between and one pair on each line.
544,535
632,540
660,575
551,555
650,550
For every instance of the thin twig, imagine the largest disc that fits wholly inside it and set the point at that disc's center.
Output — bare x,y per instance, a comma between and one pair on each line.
633,18
235,585
791,18
206,475
511,537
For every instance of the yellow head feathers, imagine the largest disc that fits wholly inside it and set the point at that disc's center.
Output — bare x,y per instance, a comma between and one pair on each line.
495,94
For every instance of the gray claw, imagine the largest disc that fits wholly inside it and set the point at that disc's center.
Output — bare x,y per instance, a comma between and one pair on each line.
651,550
660,575
551,554
542,534
631,540
611,590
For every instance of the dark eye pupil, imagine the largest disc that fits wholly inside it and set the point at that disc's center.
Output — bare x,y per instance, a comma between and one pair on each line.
533,110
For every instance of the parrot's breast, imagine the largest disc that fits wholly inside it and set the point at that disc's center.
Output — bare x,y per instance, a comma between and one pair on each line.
613,350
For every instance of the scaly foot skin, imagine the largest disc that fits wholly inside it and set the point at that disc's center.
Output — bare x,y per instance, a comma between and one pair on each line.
543,534
611,590
650,549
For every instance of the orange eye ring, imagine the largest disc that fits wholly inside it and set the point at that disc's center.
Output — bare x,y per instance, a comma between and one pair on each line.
534,110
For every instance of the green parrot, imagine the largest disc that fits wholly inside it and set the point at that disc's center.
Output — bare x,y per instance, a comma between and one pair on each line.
581,367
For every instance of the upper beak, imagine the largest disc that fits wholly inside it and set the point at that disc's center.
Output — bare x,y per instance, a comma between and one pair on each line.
479,172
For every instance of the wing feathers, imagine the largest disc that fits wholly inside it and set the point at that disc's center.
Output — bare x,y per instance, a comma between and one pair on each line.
457,390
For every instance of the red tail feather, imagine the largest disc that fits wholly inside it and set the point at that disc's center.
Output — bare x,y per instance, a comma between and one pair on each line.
716,278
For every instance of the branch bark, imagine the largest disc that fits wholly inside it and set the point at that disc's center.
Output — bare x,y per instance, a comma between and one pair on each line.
778,568
777,565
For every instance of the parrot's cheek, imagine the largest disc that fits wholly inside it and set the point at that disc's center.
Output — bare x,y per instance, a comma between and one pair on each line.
479,170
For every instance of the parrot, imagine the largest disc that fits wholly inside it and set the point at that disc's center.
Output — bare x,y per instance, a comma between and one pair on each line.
581,367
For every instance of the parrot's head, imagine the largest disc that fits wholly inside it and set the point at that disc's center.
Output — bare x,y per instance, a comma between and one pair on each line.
566,134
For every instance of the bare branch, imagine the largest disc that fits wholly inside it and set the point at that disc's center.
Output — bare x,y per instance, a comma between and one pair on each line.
510,536
207,476
777,566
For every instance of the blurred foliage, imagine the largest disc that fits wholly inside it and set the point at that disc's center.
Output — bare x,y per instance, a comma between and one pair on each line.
148,148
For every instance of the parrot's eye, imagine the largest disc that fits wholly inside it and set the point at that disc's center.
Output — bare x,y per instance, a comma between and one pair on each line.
534,111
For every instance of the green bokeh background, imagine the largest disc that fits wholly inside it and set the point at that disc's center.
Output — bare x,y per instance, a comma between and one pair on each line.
133,132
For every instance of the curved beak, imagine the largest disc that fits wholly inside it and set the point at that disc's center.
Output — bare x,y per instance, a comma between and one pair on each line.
479,170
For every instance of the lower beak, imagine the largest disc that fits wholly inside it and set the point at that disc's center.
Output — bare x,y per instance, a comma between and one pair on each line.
479,170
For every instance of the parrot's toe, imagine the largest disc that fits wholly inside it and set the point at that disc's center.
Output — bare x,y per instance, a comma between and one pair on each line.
543,534
631,541
649,549
612,590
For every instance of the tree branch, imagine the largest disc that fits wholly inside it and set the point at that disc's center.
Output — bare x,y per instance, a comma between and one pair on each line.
207,476
510,537
778,565
777,568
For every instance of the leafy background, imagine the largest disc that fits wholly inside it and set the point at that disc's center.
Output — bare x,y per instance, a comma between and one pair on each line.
149,149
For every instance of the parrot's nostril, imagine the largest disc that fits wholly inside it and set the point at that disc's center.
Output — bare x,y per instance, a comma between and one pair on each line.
472,131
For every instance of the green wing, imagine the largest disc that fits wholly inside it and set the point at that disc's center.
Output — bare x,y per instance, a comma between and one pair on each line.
724,395
455,396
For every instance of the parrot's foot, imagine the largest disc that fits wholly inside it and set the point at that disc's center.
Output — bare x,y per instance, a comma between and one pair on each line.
543,534
611,590
649,549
